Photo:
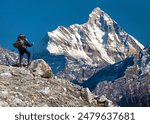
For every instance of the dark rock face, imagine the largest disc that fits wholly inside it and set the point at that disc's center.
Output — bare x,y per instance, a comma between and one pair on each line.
132,88
109,73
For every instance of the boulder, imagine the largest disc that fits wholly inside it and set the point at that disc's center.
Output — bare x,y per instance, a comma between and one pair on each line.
40,68
103,101
87,95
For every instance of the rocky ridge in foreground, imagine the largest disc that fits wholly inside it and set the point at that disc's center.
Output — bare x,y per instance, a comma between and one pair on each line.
38,87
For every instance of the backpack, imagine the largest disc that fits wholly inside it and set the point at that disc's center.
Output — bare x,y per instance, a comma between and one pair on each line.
18,44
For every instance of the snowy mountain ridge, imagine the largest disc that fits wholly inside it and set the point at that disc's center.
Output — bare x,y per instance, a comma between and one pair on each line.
7,57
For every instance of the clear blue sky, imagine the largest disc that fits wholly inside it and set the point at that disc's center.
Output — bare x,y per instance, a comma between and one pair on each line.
36,17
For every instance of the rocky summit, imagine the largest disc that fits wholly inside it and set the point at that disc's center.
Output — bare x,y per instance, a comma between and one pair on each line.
36,86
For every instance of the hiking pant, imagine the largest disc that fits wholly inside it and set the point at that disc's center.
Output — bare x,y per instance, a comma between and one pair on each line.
21,53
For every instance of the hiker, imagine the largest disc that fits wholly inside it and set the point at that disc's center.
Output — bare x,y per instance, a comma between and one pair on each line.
22,44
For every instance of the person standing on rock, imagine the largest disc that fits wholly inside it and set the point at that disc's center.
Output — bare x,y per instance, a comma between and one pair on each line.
21,44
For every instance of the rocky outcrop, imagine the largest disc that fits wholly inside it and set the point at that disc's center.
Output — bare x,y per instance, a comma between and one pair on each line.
97,100
38,87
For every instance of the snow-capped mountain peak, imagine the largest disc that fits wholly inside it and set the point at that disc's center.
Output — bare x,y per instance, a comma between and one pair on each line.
98,42
100,34
97,15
